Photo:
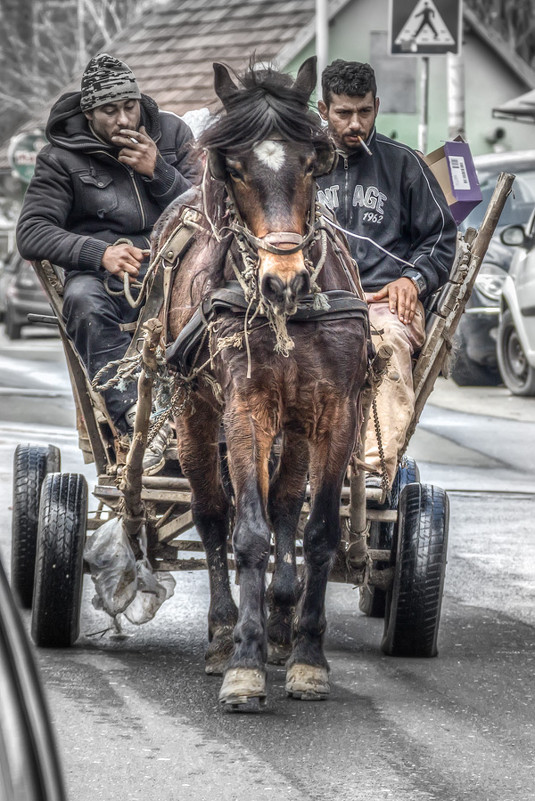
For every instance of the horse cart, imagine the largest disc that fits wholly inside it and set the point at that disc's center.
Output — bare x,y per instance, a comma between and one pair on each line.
394,551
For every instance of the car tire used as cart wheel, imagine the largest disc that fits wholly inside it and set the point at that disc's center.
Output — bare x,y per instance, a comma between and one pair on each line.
415,597
31,463
59,560
372,600
517,373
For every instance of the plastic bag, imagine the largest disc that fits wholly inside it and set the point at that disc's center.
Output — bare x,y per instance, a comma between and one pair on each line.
113,567
122,584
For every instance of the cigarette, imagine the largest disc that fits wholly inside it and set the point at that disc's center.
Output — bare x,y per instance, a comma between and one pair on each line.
365,146
135,141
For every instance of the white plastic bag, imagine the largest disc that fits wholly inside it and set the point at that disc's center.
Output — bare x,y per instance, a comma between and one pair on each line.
122,584
113,567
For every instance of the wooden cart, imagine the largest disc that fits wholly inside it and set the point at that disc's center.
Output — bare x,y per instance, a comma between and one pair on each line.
395,553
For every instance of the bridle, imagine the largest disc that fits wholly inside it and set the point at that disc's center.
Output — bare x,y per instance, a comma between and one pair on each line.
274,239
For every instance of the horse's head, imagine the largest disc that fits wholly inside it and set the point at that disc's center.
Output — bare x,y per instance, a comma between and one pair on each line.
268,149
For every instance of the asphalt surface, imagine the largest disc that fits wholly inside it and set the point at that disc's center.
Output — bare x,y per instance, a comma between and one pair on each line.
136,717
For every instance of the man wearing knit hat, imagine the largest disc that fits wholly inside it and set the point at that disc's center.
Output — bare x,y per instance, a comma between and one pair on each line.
113,163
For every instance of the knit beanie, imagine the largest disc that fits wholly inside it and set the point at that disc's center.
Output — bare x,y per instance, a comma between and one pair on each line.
107,80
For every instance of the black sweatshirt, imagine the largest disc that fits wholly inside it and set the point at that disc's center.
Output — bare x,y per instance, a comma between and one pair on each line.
393,198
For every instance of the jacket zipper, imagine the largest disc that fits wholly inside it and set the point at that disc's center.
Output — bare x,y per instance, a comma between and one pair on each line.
130,172
346,189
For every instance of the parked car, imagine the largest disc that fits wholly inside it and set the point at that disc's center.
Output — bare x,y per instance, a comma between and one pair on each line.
475,359
20,294
516,330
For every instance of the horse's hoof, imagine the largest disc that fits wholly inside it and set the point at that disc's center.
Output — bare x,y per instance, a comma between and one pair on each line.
243,690
307,683
277,653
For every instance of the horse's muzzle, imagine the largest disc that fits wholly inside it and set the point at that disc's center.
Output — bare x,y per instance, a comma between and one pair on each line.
284,295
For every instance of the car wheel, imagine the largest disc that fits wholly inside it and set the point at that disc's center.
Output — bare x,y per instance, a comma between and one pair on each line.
468,373
517,373
31,464
13,329
59,562
414,599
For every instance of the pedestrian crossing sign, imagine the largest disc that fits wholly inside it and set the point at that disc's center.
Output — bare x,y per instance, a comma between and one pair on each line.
425,27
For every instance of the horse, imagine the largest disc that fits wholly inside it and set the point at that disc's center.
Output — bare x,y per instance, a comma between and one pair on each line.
280,355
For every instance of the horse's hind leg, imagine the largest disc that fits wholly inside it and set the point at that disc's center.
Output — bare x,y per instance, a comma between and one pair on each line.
286,495
244,685
307,668
199,457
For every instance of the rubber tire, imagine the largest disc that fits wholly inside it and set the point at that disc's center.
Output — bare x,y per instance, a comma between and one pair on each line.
518,384
31,463
468,373
415,597
13,329
372,600
59,562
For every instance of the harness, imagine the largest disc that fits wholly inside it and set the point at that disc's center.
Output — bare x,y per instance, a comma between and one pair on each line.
242,297
231,299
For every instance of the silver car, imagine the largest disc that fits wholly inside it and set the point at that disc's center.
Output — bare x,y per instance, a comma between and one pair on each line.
475,358
516,330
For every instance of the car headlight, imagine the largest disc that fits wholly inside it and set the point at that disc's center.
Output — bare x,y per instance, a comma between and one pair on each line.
490,281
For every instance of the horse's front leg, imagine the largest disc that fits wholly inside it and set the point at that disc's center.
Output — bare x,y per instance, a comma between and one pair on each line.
244,685
198,451
286,496
307,668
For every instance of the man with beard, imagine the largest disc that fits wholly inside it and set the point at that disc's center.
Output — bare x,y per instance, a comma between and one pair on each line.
113,163
401,234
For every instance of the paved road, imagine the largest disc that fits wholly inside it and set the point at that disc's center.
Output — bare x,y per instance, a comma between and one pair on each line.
136,718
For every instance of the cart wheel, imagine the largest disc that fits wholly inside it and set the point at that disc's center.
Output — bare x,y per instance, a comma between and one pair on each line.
59,561
372,600
31,463
414,600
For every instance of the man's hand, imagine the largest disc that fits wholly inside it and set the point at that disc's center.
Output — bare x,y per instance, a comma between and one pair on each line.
138,150
402,298
123,259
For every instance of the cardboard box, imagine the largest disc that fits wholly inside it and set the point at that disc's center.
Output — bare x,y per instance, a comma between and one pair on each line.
453,167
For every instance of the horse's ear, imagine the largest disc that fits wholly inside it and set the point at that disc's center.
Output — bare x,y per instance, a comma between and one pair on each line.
306,77
326,158
224,86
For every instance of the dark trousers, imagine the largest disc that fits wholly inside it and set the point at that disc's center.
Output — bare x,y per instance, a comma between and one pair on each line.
92,318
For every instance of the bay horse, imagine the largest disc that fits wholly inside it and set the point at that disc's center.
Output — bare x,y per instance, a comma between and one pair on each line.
282,354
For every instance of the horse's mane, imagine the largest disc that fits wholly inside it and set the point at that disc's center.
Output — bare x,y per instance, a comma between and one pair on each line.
267,102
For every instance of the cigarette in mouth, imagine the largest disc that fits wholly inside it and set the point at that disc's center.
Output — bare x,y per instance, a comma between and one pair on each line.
365,146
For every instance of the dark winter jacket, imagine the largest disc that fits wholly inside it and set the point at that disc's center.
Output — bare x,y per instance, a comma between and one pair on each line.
82,199
393,198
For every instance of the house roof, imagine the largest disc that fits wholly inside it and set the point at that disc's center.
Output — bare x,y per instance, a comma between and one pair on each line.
521,109
172,47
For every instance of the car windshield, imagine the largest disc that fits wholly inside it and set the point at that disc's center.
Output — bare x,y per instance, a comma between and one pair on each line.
518,206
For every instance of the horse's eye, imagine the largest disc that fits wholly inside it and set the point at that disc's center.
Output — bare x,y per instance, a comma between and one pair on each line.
234,173
309,169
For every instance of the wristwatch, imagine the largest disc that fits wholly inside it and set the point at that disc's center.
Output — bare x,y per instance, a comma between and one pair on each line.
418,280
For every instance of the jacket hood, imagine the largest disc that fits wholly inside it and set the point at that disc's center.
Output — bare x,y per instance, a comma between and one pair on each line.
67,126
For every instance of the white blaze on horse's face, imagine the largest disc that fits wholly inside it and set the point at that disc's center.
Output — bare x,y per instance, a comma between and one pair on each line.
270,153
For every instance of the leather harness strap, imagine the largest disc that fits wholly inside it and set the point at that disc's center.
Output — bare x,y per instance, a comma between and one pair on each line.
230,298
